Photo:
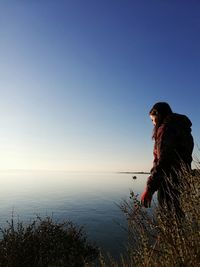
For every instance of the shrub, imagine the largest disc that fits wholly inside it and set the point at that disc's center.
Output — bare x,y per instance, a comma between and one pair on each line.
45,243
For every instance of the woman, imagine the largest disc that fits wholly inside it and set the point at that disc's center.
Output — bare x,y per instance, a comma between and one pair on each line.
172,153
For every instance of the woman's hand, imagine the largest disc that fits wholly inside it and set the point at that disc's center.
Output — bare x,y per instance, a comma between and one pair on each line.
146,198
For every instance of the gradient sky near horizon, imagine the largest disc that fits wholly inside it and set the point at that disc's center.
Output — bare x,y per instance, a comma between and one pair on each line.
78,78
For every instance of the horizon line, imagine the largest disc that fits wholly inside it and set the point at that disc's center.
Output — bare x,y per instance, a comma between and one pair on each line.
73,171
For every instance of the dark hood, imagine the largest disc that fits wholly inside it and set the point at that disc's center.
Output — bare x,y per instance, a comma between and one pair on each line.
179,120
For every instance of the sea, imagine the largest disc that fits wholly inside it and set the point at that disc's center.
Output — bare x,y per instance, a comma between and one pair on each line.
90,200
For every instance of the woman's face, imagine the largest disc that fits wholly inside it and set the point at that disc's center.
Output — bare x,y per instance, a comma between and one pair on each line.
154,119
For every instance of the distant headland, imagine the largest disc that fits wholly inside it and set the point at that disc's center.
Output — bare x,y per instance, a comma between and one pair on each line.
135,172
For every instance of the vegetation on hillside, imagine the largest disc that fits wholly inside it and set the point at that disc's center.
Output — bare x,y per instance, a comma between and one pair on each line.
160,238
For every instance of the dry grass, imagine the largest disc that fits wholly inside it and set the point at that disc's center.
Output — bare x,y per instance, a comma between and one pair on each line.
160,238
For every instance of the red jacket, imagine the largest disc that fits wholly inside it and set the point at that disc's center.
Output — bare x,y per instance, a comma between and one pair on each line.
173,147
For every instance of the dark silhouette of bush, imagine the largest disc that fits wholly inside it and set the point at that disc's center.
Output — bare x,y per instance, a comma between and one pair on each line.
44,243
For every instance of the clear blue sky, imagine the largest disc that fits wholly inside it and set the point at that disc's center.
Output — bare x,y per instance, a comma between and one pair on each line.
78,78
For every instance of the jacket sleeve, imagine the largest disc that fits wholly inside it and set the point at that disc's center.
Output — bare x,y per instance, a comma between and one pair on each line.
165,151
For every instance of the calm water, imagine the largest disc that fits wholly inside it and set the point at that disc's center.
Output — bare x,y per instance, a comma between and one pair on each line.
88,199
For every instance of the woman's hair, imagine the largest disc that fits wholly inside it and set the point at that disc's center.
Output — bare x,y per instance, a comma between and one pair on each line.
162,110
